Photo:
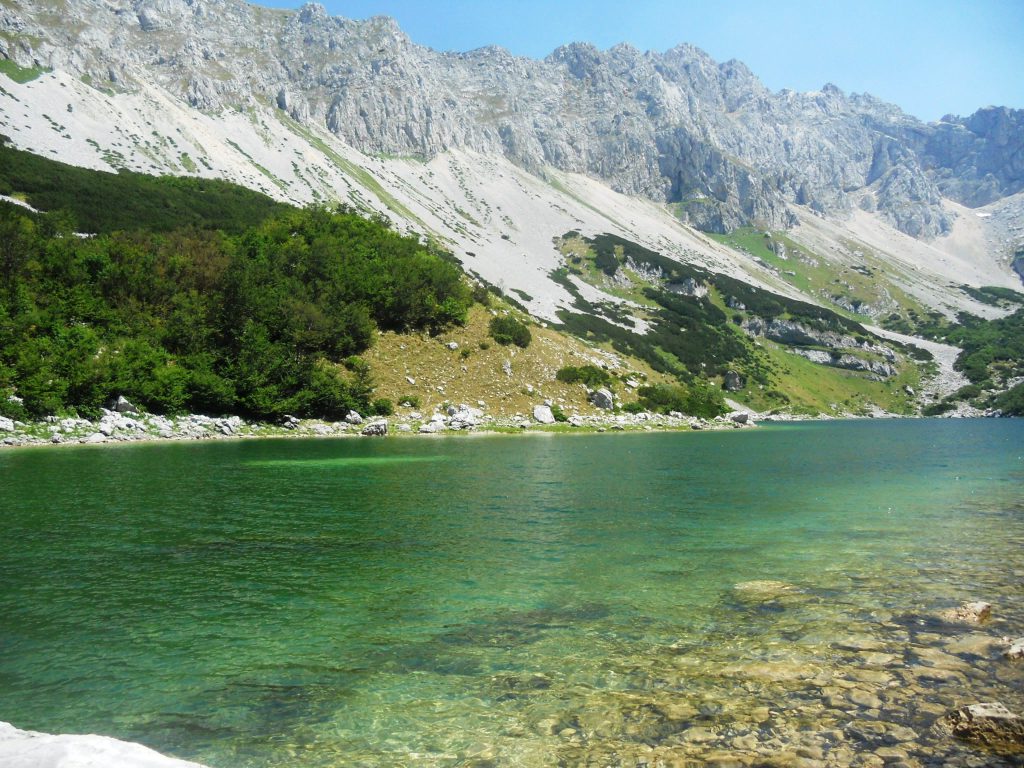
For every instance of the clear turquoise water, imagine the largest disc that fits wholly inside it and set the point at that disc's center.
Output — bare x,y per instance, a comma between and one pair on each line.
506,600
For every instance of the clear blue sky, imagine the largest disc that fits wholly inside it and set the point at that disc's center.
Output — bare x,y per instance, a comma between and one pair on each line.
930,57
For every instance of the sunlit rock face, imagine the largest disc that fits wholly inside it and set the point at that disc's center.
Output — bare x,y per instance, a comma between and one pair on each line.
674,126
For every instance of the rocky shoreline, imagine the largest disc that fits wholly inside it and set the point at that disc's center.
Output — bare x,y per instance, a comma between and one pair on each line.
125,424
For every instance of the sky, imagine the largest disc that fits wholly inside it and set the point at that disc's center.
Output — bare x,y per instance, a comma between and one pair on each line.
930,57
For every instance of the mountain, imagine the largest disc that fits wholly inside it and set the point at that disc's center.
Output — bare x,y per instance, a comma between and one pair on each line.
674,126
519,167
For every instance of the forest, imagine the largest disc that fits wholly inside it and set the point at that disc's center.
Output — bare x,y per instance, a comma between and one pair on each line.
246,306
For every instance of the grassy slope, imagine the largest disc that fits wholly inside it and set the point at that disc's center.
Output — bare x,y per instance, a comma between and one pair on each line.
814,276
790,382
479,376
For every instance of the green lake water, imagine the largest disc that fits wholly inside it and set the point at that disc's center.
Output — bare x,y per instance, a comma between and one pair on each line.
517,601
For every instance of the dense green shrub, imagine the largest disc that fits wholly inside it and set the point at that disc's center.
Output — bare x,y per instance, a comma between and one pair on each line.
988,342
937,409
662,398
967,392
1011,402
383,407
699,398
506,330
590,375
560,415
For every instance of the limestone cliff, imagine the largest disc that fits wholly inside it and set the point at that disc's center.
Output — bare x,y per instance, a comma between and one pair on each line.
674,126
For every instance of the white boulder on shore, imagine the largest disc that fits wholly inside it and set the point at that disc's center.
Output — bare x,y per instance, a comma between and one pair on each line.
28,749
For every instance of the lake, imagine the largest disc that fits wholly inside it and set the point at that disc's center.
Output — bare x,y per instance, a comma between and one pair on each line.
518,601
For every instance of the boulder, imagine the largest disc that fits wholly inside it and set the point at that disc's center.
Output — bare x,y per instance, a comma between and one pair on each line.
124,405
1016,649
740,417
375,429
976,612
543,414
732,382
464,417
990,725
763,589
353,418
28,749
6,425
431,427
602,398
290,422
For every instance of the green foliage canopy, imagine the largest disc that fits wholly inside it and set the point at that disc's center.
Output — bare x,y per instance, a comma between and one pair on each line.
198,320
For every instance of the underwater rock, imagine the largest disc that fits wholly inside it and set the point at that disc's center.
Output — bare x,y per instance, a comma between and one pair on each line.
989,724
1016,649
763,589
976,612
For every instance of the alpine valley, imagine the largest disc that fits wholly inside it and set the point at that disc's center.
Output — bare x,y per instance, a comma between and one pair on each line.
660,216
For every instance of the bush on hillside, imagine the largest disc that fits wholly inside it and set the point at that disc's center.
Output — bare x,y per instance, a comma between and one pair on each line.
590,375
697,399
1011,402
507,330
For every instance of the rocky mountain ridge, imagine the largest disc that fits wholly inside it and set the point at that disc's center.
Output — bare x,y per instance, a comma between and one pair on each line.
675,127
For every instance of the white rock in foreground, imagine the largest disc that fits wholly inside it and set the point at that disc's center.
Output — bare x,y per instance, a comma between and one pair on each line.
28,749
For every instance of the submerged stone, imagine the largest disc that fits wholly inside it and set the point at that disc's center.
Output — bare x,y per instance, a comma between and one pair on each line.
988,724
976,612
1016,649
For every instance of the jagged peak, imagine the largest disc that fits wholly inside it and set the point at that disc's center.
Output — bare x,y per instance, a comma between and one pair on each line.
309,13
